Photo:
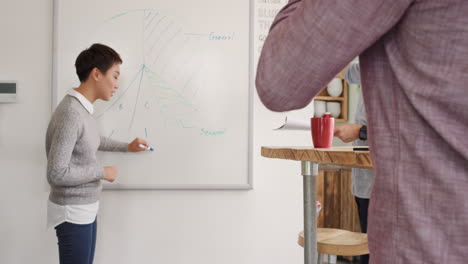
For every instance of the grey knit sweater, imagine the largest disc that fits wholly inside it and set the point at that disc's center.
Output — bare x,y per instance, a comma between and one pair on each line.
72,141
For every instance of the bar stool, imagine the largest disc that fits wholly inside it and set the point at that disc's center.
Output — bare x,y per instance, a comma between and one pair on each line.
338,242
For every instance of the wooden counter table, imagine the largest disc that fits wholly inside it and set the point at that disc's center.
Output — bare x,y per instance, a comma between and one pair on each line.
311,160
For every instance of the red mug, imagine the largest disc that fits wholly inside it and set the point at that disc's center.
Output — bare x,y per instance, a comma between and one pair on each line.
322,130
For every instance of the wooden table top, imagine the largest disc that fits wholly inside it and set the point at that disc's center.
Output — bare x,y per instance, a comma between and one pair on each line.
338,156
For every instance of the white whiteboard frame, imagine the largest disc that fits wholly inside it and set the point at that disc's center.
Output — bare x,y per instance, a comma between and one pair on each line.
116,186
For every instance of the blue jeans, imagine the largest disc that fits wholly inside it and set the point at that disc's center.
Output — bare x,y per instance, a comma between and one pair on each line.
76,242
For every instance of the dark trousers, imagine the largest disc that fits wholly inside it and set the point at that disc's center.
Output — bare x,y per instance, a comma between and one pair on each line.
76,242
363,206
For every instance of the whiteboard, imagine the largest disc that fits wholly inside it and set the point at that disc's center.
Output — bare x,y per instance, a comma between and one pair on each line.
185,86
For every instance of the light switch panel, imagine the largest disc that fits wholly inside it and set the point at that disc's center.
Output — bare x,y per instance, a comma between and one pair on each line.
8,91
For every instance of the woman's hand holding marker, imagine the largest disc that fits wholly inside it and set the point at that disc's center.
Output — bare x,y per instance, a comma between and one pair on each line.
138,145
144,147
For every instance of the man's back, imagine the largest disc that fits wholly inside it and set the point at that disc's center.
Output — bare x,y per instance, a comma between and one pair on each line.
419,116
414,69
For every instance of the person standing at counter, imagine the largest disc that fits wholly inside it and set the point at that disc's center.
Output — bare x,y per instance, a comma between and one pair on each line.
362,179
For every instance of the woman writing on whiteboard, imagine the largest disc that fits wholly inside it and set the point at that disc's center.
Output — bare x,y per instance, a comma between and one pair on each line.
72,141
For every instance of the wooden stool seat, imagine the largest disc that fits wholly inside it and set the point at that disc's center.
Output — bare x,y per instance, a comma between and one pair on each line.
339,242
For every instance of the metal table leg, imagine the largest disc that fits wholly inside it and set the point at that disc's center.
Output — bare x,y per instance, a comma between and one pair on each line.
310,173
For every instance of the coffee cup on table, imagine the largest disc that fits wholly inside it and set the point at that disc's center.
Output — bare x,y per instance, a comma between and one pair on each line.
322,130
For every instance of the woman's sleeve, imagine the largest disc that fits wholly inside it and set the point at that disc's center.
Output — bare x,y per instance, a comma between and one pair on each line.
112,145
60,172
310,41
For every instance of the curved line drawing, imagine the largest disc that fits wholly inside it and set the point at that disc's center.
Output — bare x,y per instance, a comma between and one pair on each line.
159,32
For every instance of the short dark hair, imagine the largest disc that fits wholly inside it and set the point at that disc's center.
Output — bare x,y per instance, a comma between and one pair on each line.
97,56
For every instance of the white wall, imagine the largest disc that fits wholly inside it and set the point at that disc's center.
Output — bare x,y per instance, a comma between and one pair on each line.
25,49
199,227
